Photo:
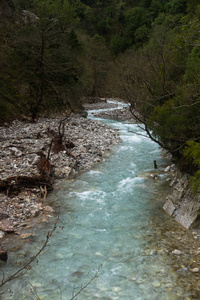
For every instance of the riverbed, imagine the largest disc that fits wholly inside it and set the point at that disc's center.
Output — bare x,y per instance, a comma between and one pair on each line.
111,220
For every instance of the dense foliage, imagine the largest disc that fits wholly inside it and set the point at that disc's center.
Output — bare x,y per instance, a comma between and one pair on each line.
53,53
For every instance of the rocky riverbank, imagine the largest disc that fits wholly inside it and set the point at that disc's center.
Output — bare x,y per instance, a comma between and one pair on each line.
26,149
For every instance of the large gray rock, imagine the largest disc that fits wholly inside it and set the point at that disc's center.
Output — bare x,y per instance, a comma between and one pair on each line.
187,213
182,204
169,207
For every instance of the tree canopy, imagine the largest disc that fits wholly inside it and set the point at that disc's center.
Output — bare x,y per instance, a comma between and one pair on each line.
53,53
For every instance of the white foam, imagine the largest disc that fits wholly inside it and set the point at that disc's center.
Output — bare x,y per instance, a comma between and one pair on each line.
91,172
125,148
129,182
126,182
133,165
131,138
95,195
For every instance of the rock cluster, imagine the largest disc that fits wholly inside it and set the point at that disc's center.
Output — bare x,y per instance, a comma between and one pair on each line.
21,145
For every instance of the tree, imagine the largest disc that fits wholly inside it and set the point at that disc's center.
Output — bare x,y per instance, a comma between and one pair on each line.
97,64
136,18
42,59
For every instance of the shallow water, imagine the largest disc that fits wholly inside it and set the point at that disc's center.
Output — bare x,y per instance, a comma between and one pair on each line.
111,216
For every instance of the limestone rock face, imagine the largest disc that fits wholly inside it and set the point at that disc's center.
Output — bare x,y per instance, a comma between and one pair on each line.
182,204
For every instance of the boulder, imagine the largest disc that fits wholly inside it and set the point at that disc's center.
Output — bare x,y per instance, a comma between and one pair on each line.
182,204
187,213
169,207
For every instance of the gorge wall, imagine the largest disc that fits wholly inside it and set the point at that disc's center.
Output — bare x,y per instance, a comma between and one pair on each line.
182,204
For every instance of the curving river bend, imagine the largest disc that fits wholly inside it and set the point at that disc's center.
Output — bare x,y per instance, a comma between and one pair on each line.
112,216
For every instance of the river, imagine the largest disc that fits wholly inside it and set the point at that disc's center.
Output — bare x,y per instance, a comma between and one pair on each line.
111,219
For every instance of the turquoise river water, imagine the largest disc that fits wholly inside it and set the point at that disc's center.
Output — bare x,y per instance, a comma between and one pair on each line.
111,216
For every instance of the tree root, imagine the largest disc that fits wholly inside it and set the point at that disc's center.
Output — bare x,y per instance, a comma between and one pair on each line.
17,183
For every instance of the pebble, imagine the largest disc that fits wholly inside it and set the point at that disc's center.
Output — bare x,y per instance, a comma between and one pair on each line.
48,209
26,235
195,270
177,252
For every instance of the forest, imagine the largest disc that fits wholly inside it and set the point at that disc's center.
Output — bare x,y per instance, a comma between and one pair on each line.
56,53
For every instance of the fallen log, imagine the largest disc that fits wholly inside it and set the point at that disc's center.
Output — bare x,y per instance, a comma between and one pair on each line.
3,254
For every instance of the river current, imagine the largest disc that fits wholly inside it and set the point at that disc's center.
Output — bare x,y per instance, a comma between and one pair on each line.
110,218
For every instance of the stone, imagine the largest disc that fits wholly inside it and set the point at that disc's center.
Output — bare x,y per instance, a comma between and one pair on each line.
6,225
34,210
35,160
16,151
167,169
26,235
194,270
187,213
48,209
2,234
177,252
169,207
182,204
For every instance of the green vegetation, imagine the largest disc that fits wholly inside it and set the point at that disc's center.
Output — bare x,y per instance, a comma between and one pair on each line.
53,53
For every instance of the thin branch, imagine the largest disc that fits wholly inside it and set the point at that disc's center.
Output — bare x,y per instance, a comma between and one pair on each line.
84,287
148,131
26,267
33,290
